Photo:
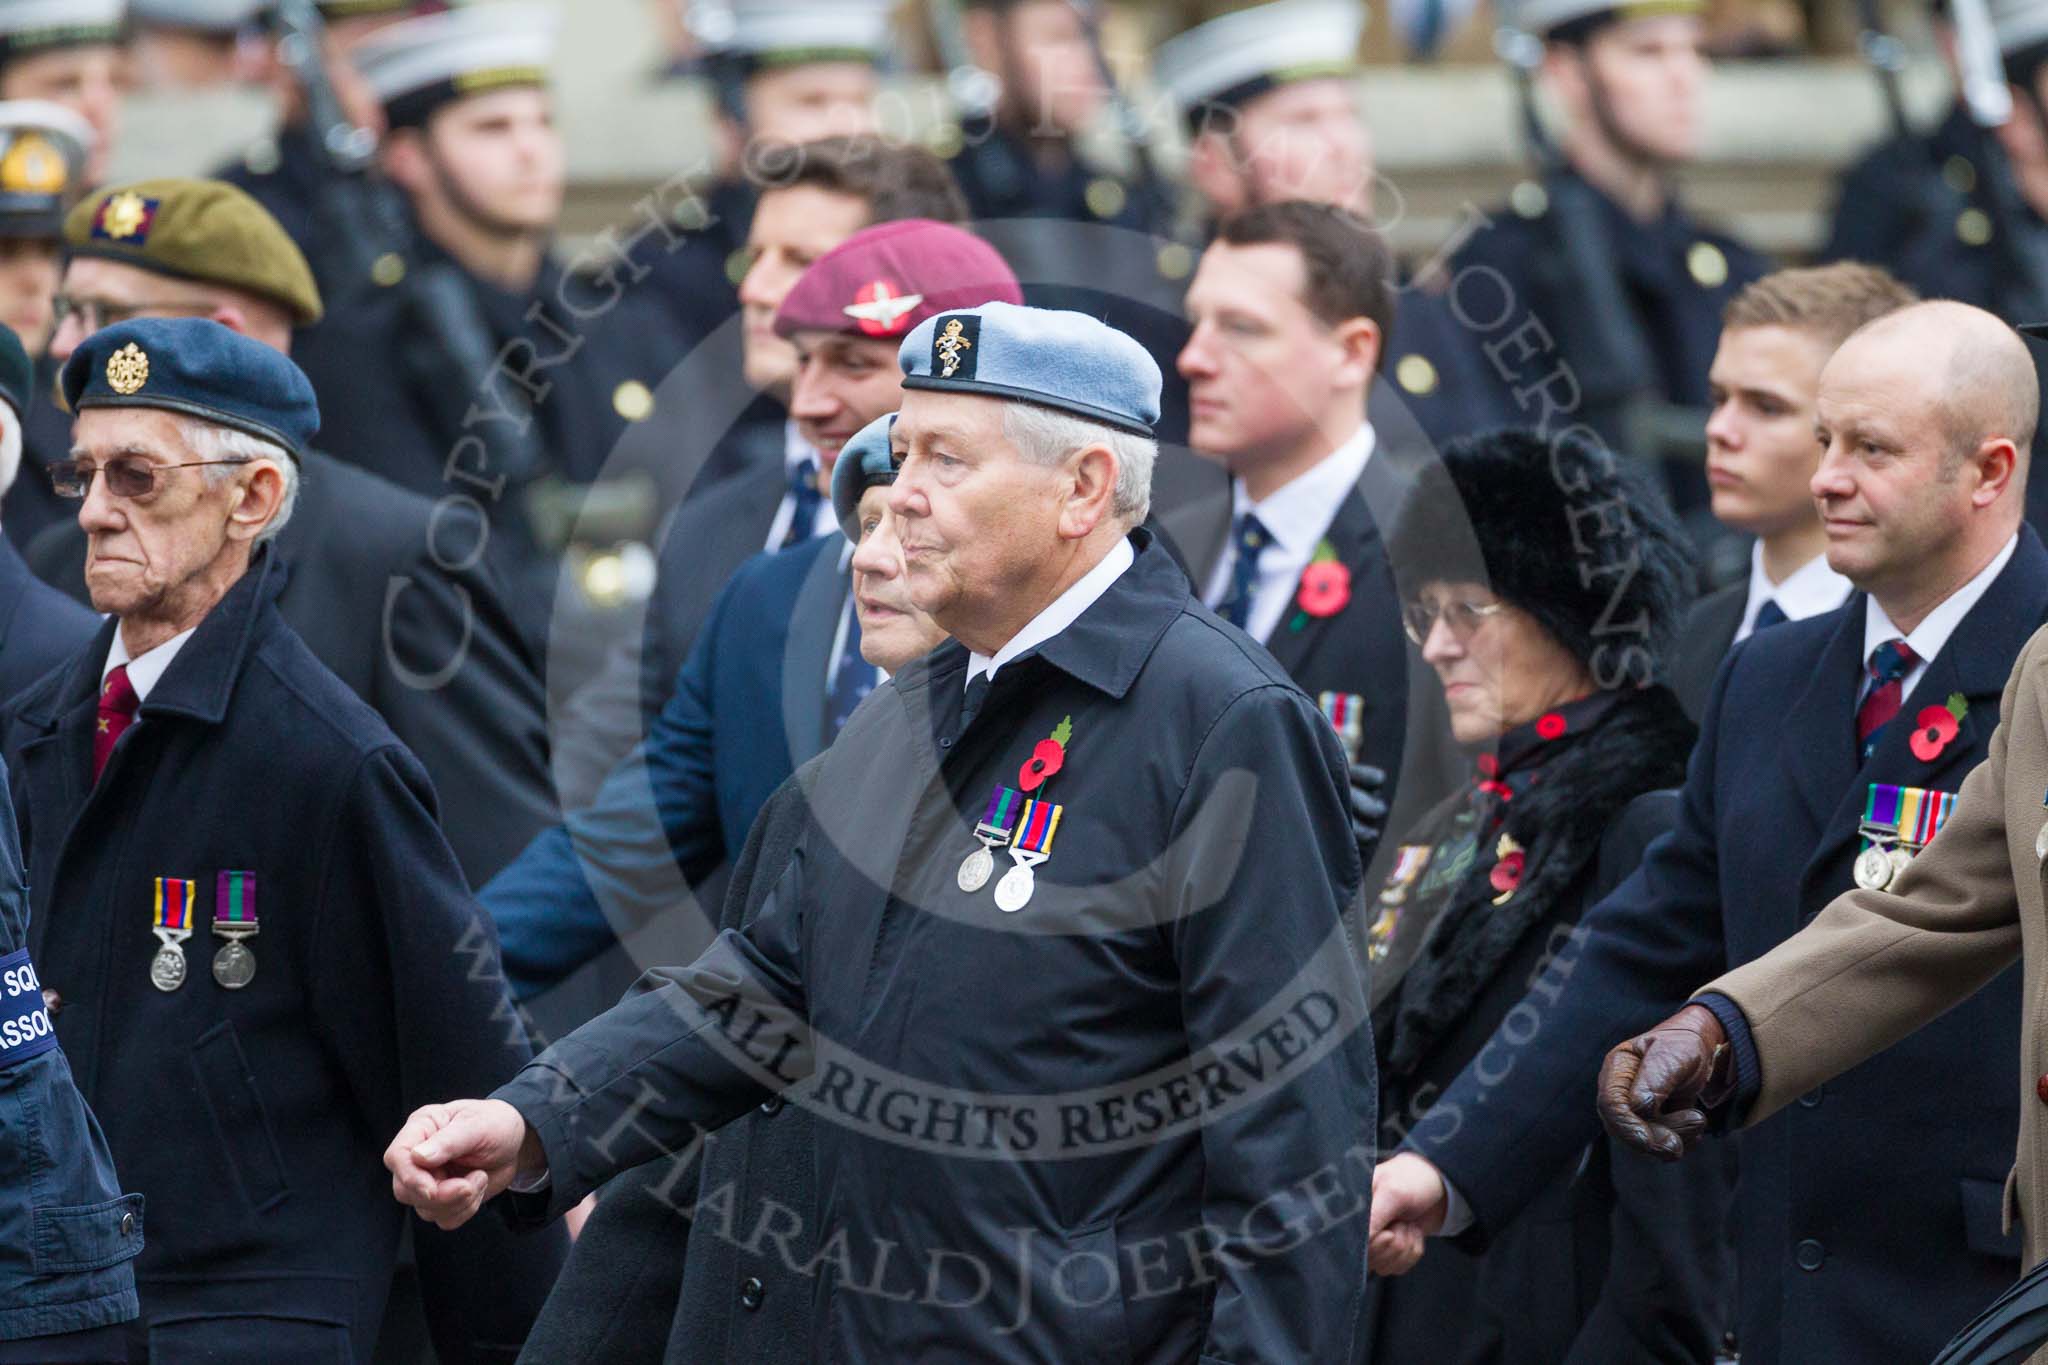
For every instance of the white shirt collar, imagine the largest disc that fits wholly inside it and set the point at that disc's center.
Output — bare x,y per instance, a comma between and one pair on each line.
1927,640
1299,512
1062,612
795,449
1809,590
146,669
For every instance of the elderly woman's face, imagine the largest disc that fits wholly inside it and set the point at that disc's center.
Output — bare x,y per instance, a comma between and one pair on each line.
892,631
1498,666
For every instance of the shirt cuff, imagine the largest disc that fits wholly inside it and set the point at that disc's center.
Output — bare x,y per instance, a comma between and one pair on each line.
1748,1072
530,1184
1457,1213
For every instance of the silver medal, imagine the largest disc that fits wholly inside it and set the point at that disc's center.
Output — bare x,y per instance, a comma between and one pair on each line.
2041,844
1013,892
234,966
1874,869
1901,858
167,968
975,870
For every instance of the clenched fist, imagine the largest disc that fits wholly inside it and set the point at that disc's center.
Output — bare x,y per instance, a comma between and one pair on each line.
1654,1087
450,1158
1408,1206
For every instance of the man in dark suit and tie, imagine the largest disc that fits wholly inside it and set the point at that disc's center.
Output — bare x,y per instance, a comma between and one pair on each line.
777,668
1291,307
39,626
1775,337
1868,1216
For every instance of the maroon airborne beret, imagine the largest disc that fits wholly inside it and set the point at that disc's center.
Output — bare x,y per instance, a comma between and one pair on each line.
885,279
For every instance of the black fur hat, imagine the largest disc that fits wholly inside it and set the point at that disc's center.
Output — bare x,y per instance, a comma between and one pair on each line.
1564,529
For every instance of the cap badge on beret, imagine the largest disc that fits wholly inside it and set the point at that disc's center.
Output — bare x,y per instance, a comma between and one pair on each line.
128,370
33,165
952,345
882,309
125,217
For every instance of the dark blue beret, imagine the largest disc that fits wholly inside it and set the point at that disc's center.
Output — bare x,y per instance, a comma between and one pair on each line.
1054,359
197,367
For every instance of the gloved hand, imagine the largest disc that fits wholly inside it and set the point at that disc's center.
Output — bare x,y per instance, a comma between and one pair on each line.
1656,1087
1368,811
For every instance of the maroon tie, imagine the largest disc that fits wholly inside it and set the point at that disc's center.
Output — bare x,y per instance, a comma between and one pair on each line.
117,712
1889,664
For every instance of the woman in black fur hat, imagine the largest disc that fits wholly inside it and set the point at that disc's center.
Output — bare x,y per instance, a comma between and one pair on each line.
1545,583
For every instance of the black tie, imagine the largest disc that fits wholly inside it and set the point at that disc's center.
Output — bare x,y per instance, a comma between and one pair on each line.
1771,614
977,693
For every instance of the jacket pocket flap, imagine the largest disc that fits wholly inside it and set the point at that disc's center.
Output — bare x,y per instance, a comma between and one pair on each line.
1984,1219
87,1236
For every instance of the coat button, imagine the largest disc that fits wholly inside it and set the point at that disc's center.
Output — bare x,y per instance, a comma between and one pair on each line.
751,1293
772,1105
1810,1254
127,1225
2041,1089
1811,1099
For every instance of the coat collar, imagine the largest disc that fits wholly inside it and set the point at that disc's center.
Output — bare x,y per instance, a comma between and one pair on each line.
1105,648
199,681
14,585
1975,663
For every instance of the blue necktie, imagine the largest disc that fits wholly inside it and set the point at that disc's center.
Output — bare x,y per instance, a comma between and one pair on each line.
1770,614
1251,540
852,677
804,499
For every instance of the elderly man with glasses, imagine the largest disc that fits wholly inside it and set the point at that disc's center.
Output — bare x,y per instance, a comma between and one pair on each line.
262,948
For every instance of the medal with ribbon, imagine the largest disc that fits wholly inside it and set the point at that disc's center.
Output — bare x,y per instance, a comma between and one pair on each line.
234,919
172,925
1031,846
1897,823
1346,713
997,824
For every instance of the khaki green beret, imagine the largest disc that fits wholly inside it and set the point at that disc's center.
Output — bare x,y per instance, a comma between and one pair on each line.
204,230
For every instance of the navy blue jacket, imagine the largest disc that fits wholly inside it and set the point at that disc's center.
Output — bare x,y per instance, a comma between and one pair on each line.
40,627
1868,1215
747,707
67,1233
1200,896
254,1120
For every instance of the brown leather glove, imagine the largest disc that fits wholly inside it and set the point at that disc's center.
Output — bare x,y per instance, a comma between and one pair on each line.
1655,1088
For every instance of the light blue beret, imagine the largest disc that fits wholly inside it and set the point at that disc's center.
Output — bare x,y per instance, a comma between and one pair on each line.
863,462
1054,359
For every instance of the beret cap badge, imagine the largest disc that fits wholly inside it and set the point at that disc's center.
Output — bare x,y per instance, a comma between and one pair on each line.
128,369
950,346
125,215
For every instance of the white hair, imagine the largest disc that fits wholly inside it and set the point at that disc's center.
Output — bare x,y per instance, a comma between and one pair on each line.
207,441
1047,436
10,446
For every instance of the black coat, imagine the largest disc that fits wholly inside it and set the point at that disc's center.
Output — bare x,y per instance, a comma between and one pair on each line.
714,531
1708,636
40,627
1620,1258
433,650
254,1121
1152,938
638,1288
1766,836
1362,649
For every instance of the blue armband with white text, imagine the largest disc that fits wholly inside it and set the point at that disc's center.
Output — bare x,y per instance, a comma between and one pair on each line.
25,1028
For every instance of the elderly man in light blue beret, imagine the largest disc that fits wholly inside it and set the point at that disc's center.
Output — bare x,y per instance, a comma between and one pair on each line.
1061,964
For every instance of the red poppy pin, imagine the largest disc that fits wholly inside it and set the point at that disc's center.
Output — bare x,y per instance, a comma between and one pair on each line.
1047,756
1507,872
1325,585
1550,725
1934,727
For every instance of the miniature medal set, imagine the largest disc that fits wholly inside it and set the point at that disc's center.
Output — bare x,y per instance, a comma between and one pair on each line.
234,920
